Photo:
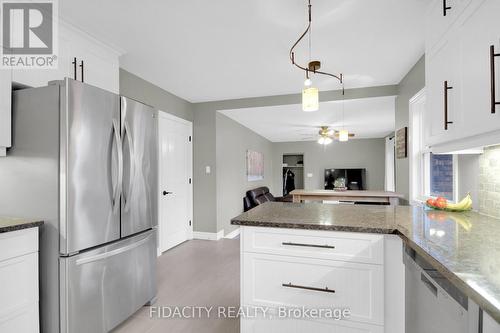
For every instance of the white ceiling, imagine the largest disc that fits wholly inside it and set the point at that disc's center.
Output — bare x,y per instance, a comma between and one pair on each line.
366,118
223,49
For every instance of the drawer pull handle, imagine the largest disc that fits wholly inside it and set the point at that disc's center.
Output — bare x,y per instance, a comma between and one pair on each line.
308,245
493,55
325,290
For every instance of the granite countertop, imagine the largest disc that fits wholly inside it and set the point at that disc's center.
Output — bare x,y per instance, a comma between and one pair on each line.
464,247
15,223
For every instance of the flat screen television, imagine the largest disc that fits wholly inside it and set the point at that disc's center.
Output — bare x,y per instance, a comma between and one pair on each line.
350,179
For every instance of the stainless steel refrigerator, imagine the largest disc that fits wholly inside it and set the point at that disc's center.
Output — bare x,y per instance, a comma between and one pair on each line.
85,160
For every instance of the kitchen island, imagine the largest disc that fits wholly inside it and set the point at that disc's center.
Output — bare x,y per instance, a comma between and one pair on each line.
381,197
462,247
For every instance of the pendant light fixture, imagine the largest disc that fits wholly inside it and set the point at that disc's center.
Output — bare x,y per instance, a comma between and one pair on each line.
310,94
310,97
343,133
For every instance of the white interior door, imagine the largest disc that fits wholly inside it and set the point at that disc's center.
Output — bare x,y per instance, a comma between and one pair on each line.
175,158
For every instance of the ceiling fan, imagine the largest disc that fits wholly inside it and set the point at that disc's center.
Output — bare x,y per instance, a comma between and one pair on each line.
327,135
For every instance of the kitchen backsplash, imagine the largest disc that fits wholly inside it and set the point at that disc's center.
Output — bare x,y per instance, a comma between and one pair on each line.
489,181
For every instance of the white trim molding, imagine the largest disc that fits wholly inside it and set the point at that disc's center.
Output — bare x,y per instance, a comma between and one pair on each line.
208,235
233,234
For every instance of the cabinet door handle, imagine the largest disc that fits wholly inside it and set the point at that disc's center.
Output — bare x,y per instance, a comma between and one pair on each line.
446,122
74,68
82,69
493,55
308,245
445,7
295,286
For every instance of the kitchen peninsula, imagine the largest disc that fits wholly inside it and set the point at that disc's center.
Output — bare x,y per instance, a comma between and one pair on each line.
384,197
300,254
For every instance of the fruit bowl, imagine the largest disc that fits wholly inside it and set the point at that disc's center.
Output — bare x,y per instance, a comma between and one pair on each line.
441,203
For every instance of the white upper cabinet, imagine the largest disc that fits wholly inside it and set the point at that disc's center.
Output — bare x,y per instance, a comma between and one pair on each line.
100,62
96,64
458,56
443,114
440,18
478,32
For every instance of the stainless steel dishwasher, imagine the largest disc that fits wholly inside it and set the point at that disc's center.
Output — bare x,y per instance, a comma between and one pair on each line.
433,304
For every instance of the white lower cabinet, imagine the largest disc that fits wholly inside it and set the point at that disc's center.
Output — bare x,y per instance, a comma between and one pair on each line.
19,281
305,326
279,281
308,269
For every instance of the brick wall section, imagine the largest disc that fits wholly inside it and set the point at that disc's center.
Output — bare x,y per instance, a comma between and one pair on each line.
442,176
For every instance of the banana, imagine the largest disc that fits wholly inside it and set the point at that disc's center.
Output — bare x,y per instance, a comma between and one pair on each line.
463,205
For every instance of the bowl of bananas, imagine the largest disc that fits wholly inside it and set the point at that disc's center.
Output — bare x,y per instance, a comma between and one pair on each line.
441,203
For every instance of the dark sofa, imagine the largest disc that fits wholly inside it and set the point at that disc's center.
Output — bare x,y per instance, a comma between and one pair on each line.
260,195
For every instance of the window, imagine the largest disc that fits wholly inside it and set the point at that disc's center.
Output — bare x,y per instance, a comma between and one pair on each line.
415,145
430,174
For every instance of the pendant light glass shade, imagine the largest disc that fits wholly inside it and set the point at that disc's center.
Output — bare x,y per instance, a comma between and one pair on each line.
343,135
310,99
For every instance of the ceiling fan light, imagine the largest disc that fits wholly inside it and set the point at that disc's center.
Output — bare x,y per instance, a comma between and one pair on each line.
310,99
343,135
321,140
327,141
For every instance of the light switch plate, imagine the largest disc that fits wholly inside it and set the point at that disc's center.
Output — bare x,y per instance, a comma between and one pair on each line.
207,169
309,175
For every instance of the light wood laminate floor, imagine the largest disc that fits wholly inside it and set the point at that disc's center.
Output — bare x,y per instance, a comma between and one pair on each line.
195,273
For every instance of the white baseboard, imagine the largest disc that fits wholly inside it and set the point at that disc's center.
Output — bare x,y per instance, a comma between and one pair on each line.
158,252
208,235
233,234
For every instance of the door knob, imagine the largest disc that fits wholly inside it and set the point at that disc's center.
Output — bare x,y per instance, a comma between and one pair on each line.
165,192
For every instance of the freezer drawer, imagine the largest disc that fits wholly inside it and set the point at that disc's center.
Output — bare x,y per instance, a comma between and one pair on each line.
103,287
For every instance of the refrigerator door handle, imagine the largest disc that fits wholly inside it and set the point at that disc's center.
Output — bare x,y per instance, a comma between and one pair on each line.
115,252
118,187
132,164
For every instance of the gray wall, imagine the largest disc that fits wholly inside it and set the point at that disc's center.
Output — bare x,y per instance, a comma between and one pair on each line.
204,140
359,153
143,91
412,83
232,141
